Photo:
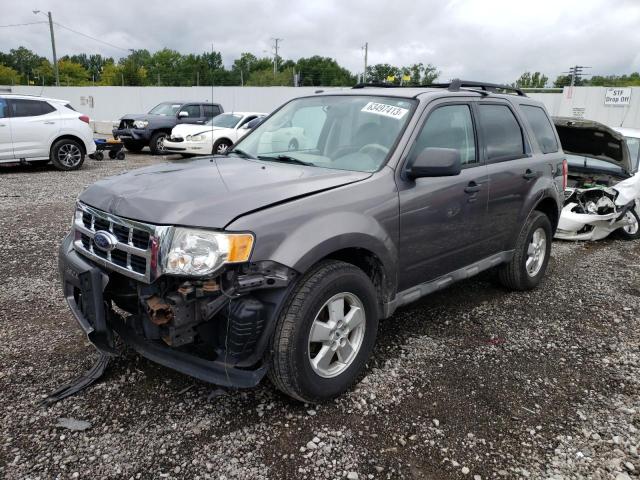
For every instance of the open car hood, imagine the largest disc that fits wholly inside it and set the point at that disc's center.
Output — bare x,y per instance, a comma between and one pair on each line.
595,140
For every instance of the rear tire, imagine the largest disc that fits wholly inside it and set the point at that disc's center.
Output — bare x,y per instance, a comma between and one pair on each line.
531,255
67,155
134,147
632,231
308,330
156,144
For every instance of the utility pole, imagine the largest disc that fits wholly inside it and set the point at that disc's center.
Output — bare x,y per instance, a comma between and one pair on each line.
198,78
576,73
53,46
276,41
366,53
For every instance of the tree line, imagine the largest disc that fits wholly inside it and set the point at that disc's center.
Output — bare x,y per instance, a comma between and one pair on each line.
166,67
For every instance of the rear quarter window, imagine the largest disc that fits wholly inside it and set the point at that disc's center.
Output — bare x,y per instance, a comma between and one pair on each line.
541,128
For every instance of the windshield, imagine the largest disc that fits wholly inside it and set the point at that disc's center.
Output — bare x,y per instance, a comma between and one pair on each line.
634,149
345,132
166,109
226,120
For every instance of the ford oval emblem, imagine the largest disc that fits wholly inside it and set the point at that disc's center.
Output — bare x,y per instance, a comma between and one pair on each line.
105,241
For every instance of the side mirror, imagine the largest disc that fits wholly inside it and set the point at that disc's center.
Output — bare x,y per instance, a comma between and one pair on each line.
183,114
436,162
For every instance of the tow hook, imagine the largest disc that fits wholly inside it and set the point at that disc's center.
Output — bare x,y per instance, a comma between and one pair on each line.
160,312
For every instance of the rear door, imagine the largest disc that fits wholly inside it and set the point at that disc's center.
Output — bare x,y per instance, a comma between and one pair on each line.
6,145
210,111
34,125
512,169
443,219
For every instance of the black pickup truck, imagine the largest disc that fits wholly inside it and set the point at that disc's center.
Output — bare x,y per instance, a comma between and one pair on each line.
150,129
279,261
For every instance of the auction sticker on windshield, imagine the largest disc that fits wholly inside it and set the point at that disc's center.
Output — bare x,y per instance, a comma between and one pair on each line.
383,109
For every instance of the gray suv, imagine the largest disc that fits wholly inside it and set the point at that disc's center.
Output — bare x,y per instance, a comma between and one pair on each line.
279,261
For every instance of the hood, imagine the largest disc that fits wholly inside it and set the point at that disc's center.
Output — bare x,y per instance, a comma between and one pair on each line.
209,192
185,129
594,140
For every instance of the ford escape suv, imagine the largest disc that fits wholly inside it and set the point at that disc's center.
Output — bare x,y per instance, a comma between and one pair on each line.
276,261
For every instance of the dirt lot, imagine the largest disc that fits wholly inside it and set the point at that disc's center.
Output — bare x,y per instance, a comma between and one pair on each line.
472,382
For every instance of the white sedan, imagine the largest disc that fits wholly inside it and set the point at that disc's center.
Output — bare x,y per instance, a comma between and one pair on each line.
213,137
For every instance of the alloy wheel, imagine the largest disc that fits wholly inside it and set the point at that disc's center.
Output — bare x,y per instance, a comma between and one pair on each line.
69,155
536,252
631,226
336,335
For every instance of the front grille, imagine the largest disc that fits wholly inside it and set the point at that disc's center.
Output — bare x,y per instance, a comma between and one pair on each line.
132,255
177,139
126,123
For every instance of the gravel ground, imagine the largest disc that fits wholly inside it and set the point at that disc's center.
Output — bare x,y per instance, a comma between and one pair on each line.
472,382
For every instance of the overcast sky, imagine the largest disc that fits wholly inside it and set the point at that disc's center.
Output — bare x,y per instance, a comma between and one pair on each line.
491,40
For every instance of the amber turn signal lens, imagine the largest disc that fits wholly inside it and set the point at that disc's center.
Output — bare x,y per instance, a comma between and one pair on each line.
240,246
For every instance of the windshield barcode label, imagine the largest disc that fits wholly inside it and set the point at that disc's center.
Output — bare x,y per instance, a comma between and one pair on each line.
385,110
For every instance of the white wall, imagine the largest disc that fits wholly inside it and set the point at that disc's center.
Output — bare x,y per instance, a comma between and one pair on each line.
107,104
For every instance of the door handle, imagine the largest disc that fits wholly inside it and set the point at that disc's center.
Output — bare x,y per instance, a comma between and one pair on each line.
473,187
529,174
49,123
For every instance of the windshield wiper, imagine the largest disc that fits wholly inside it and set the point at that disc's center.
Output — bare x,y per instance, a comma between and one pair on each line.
241,153
286,159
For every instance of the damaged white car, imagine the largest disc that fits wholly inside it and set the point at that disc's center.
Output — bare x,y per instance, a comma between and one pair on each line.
603,188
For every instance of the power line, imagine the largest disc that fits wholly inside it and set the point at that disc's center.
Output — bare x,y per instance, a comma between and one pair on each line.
22,24
90,37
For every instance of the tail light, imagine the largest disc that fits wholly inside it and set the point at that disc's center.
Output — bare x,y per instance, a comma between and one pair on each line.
84,118
565,173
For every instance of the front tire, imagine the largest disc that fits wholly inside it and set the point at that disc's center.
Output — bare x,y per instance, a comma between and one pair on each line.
133,147
632,230
156,144
531,255
221,146
67,155
325,333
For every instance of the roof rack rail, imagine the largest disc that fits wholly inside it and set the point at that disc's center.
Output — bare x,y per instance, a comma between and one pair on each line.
481,87
375,85
454,86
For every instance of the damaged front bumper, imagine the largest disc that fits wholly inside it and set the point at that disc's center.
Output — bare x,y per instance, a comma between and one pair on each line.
235,325
594,213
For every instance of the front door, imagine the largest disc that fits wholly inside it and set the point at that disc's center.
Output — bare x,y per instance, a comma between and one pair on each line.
6,145
443,219
193,114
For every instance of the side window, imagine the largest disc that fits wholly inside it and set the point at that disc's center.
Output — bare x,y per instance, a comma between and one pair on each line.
541,127
450,126
211,111
501,132
3,108
29,108
192,110
247,120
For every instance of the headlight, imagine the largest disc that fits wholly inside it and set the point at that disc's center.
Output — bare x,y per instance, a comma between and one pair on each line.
195,138
201,252
140,124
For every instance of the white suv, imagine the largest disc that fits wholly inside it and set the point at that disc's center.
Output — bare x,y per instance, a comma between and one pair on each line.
37,129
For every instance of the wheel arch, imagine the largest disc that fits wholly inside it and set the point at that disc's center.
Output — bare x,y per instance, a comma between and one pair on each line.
68,136
549,206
